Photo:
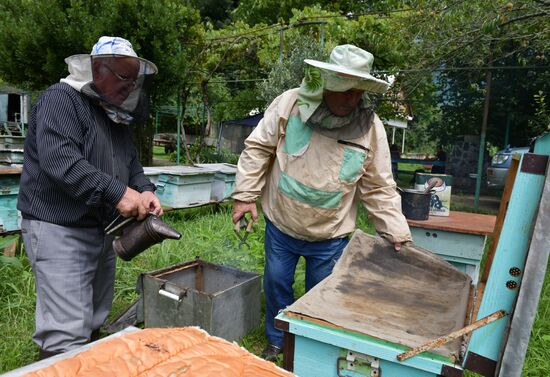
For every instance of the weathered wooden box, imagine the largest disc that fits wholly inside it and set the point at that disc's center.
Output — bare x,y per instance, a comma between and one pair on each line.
185,187
11,156
9,142
223,301
224,180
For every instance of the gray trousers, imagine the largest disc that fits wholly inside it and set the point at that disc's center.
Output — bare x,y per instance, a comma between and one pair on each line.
74,270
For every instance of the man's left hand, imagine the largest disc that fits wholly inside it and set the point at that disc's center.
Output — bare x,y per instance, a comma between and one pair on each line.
151,201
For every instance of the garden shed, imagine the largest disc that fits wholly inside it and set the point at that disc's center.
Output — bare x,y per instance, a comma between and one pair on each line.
232,133
14,110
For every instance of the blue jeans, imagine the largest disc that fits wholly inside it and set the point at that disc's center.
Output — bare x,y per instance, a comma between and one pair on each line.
281,256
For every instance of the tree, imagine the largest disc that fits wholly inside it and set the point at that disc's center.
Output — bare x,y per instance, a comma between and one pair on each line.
216,12
36,36
288,72
452,44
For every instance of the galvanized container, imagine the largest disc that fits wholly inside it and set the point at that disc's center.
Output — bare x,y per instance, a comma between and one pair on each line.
222,300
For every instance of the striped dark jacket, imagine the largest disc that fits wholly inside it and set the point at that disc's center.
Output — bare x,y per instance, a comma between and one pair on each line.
77,162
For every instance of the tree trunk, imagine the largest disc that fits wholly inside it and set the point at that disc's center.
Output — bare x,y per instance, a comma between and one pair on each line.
143,140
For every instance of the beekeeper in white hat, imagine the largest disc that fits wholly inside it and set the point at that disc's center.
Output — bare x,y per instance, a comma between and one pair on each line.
81,170
319,150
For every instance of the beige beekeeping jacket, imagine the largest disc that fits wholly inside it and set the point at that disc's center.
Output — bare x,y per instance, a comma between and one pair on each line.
310,184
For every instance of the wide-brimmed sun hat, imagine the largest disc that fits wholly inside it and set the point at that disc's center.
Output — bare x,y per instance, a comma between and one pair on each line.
351,62
116,47
81,78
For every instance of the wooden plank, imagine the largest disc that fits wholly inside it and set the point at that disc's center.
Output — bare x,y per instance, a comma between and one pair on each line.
504,200
10,170
460,222
476,302
317,321
501,289
531,286
454,335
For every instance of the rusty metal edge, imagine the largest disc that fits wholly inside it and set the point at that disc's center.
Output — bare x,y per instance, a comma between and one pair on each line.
480,364
534,163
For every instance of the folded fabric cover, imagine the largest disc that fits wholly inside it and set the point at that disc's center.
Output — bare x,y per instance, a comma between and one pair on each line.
152,352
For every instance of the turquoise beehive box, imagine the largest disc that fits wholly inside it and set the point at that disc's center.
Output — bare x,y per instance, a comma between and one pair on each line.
224,180
185,186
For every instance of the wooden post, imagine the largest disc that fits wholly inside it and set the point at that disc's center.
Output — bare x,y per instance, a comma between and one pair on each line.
488,80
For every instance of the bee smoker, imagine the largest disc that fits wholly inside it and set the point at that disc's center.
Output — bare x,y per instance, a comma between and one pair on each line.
136,236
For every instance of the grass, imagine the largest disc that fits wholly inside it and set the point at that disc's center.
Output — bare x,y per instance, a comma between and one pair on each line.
158,152
207,233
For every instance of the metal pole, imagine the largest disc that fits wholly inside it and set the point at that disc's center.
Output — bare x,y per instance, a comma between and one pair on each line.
22,113
393,136
323,35
488,79
507,134
403,144
281,43
157,122
179,120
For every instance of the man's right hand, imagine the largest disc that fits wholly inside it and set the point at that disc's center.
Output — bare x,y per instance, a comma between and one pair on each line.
241,208
131,205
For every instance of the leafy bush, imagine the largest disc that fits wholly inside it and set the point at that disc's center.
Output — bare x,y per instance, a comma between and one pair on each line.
288,73
205,154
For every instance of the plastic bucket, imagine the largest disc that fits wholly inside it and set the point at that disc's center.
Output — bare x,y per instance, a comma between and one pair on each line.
415,204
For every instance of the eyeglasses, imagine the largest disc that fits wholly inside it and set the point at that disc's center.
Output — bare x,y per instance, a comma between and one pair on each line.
122,78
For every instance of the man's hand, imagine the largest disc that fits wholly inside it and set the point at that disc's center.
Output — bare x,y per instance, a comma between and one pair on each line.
131,205
241,208
150,201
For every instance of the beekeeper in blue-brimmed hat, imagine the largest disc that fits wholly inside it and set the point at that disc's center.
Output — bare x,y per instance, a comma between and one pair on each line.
80,171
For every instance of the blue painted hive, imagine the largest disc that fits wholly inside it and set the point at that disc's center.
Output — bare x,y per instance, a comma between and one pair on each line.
224,180
185,186
9,190
376,304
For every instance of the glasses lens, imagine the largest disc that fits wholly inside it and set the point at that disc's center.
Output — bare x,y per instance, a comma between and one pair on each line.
122,78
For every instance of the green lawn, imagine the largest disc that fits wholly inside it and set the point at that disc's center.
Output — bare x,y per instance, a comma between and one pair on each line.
207,233
158,152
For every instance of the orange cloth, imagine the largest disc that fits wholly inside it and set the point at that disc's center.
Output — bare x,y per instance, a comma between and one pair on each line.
185,352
